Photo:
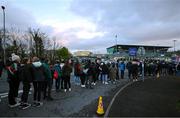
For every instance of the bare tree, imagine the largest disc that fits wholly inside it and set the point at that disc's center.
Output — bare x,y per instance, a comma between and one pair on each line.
38,38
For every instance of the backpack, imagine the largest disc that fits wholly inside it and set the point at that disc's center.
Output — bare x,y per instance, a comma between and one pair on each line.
55,75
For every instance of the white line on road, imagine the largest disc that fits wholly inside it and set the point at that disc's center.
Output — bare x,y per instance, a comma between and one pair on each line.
4,95
112,101
1,94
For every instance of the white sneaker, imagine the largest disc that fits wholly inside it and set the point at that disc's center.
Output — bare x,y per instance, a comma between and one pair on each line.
106,83
69,89
94,84
136,80
83,86
15,105
65,90
103,82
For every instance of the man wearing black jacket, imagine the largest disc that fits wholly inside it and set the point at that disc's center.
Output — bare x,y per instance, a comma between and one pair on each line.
26,74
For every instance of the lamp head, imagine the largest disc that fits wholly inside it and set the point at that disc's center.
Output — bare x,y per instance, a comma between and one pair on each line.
3,7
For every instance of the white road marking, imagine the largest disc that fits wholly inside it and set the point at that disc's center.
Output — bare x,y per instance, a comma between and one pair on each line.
4,95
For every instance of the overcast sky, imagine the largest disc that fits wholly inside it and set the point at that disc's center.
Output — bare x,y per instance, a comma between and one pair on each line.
93,24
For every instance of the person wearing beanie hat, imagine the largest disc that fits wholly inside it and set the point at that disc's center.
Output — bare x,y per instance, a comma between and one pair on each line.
13,80
15,57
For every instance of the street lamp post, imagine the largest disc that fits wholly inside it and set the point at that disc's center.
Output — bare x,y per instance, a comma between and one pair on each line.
116,44
4,50
174,45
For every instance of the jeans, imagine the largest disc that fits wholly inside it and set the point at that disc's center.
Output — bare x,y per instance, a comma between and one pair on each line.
77,79
26,89
129,73
88,81
11,94
67,82
83,78
104,77
47,88
62,82
37,90
178,73
122,74
57,84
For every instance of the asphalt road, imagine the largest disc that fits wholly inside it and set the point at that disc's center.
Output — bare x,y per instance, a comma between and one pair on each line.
78,102
149,98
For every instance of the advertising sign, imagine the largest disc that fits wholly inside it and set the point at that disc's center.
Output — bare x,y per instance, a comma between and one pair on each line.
132,51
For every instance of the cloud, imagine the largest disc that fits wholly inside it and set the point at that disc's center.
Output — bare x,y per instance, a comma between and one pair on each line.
75,34
17,17
137,21
93,24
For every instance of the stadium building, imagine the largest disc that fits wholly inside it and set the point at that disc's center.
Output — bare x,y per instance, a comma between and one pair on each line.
138,50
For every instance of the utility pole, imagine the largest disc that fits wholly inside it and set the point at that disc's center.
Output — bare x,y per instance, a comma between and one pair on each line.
174,45
4,36
116,44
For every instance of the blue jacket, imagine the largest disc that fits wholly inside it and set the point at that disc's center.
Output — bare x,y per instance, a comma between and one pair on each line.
122,66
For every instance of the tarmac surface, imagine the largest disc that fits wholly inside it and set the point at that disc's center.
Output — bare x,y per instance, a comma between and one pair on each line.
151,98
80,102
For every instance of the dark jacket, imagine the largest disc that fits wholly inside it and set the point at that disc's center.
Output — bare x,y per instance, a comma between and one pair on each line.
38,71
134,68
77,69
1,67
66,70
105,69
26,73
129,66
13,72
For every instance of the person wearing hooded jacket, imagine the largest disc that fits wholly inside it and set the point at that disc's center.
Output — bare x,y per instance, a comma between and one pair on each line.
122,68
57,68
48,81
39,78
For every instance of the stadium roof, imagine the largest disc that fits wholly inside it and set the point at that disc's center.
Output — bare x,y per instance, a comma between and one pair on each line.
146,46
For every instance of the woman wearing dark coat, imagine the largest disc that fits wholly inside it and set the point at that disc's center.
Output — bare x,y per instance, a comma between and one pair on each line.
66,73
112,73
105,72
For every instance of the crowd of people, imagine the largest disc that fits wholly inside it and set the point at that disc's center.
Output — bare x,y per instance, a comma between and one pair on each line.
40,74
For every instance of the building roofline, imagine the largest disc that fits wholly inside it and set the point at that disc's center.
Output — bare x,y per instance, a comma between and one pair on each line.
140,46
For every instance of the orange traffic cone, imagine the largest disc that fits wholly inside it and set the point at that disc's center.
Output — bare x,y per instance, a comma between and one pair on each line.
100,109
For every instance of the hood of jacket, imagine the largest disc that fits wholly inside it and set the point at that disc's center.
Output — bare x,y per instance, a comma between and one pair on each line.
37,64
